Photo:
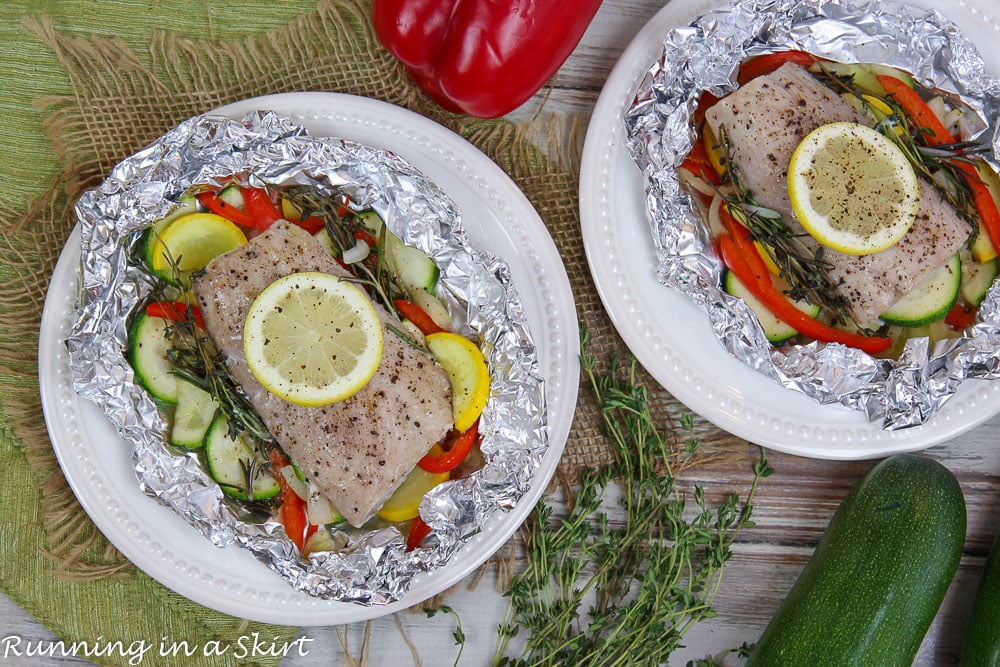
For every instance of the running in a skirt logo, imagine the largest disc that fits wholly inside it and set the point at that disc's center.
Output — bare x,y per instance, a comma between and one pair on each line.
253,645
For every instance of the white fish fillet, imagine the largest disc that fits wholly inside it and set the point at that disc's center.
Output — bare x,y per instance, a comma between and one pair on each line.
356,452
765,120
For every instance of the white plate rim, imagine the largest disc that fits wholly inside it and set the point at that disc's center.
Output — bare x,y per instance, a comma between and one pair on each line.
672,338
228,579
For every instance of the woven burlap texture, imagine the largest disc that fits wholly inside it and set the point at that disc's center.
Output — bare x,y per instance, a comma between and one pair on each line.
119,105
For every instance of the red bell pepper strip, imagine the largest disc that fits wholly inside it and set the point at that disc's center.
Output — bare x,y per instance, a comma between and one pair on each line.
215,204
312,224
741,236
982,200
418,531
769,62
418,316
481,57
260,208
454,450
960,317
705,102
698,163
735,257
922,116
175,311
936,134
362,235
292,513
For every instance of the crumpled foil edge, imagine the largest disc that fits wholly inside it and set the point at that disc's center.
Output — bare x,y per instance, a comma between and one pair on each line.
373,567
704,56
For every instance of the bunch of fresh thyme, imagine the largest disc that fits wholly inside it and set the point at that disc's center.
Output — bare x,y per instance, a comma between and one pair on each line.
598,593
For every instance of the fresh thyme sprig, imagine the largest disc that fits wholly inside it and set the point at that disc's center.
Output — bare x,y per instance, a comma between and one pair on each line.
595,593
341,225
803,267
459,634
936,163
194,358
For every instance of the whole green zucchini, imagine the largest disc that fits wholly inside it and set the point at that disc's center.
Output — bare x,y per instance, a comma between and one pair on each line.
878,575
982,637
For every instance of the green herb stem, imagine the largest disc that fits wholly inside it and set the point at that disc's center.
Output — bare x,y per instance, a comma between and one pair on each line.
595,593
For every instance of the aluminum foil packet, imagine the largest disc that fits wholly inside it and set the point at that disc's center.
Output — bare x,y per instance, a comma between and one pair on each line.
371,567
705,56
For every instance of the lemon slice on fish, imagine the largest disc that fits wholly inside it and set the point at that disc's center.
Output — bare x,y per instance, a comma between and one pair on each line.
192,241
852,189
312,339
466,368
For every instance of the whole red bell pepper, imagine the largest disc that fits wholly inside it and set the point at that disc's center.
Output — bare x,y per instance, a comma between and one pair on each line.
481,57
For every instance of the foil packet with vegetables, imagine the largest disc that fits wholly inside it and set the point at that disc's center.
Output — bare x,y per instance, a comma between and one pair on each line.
759,133
301,348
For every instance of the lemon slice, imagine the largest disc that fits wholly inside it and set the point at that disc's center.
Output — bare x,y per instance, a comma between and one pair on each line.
312,339
192,240
404,503
852,189
469,375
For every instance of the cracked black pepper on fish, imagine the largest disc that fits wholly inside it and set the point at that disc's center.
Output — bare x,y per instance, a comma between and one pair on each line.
764,121
357,451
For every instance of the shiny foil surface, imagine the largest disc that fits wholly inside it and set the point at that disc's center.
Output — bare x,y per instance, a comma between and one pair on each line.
370,567
705,56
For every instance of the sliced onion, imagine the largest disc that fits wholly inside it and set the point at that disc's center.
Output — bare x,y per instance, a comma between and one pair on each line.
321,511
692,182
939,108
357,253
319,541
969,125
300,488
953,121
714,221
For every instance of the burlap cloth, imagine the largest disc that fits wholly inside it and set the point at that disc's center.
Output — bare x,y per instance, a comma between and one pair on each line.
115,99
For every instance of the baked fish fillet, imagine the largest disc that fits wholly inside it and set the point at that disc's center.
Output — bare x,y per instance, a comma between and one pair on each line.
356,452
764,121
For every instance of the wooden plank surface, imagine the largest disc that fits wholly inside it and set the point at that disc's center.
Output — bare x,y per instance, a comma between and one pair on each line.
792,509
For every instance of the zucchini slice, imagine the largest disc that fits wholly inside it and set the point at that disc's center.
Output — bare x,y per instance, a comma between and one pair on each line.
148,345
977,278
931,299
194,414
229,460
232,195
411,266
775,330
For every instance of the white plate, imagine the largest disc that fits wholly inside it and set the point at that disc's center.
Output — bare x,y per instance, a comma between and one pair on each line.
97,463
672,338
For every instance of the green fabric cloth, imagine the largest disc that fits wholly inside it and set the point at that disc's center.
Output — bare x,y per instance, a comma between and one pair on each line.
128,607
30,70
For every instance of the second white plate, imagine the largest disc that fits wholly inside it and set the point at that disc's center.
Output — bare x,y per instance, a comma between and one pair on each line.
673,339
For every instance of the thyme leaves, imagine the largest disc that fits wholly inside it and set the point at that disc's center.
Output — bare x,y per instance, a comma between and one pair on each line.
802,266
936,163
598,593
